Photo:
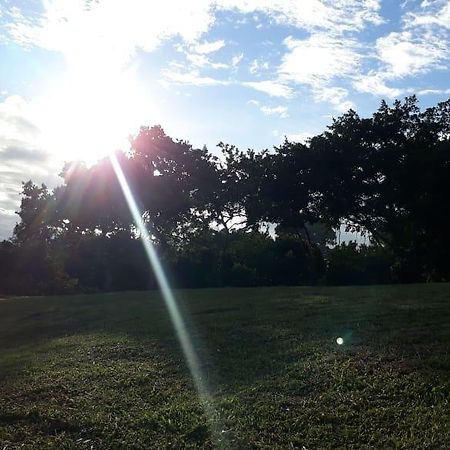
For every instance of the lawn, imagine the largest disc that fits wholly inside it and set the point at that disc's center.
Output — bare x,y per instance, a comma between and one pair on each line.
106,371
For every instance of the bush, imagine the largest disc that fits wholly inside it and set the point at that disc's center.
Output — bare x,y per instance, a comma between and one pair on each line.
352,264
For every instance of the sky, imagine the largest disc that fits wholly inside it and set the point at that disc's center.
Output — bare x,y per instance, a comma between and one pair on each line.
78,77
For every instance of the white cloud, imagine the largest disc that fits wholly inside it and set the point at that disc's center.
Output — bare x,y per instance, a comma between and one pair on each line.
16,120
19,149
280,111
406,54
436,15
191,78
332,15
115,29
273,88
111,29
375,84
301,137
200,60
317,60
176,75
337,96
198,54
197,60
257,66
209,47
7,212
421,46
237,59
433,91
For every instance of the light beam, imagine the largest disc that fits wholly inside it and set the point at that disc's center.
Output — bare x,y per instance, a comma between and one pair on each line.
174,312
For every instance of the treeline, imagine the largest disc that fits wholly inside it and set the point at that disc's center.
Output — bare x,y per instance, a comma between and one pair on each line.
247,218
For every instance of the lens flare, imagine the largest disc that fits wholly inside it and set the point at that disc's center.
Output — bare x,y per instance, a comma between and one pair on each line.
174,312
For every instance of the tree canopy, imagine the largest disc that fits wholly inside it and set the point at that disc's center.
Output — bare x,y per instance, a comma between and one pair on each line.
249,217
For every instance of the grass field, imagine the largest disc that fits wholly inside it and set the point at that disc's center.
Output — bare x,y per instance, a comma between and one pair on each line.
106,371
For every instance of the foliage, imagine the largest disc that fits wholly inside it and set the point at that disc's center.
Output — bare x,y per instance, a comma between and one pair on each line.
247,259
248,218
350,264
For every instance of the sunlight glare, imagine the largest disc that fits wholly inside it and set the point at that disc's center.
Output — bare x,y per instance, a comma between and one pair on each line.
97,102
90,115
174,312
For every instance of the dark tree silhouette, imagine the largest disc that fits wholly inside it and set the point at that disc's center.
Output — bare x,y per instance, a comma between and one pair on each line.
247,217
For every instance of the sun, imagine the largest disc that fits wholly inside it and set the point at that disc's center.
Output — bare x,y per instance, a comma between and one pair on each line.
90,114
95,102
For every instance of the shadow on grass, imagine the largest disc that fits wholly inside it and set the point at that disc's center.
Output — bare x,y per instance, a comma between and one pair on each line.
241,334
270,355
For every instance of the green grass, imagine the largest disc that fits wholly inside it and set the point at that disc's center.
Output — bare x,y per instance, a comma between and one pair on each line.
106,371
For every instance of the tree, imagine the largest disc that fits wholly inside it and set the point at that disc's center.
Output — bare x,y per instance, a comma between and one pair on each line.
387,176
35,209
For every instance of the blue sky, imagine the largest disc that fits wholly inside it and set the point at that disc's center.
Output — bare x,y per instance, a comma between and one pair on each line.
77,77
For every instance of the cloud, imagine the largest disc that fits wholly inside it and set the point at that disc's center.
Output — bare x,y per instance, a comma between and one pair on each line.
280,111
15,119
417,49
311,15
301,137
21,158
191,78
406,54
26,155
235,60
8,219
113,29
319,59
420,47
200,60
434,15
270,87
375,84
337,96
257,66
198,54
85,32
209,47
433,91
319,62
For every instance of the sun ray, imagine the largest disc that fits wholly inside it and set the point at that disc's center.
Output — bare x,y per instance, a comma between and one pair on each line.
177,320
